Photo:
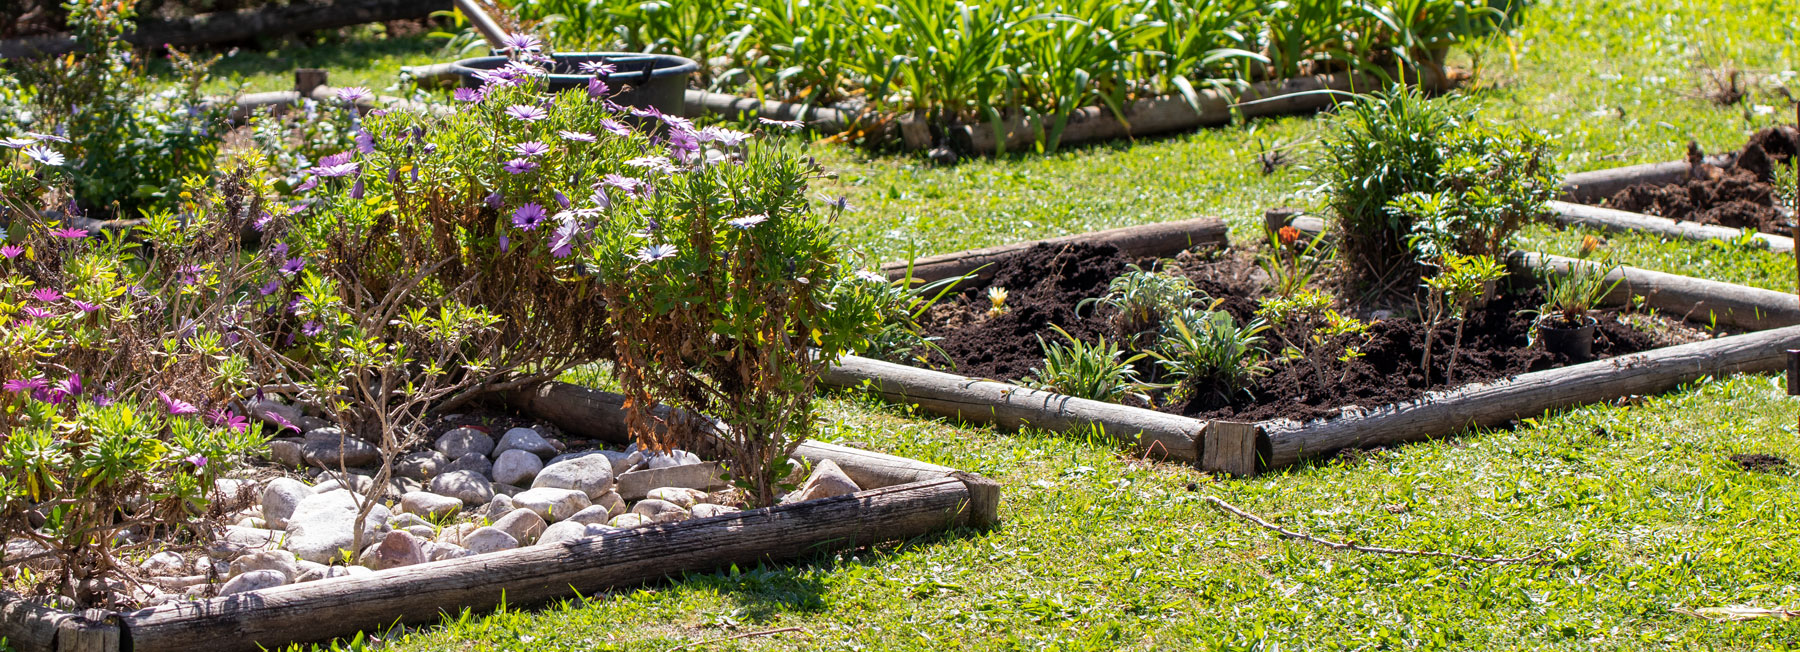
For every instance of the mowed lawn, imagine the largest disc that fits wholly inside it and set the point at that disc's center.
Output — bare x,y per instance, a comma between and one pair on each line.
1638,509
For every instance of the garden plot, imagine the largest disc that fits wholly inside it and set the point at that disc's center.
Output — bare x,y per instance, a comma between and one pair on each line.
445,537
1364,374
1743,194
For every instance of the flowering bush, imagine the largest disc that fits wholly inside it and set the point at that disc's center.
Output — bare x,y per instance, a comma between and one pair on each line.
120,375
131,146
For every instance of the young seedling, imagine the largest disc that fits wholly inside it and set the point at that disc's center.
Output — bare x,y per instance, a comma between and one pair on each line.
1460,282
1091,371
996,301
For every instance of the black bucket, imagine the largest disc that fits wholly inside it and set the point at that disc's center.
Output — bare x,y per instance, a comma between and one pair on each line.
1574,343
643,80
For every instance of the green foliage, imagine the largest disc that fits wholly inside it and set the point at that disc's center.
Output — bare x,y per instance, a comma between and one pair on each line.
1209,350
1461,281
1570,294
1785,183
898,306
980,61
1291,264
719,288
1143,300
1092,371
132,146
1494,178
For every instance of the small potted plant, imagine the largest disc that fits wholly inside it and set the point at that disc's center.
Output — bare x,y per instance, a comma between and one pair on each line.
1563,323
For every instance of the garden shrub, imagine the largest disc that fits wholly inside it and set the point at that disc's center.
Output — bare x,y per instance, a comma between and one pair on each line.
122,367
1410,180
131,145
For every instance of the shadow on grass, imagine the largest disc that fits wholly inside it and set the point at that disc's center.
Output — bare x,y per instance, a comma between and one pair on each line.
276,58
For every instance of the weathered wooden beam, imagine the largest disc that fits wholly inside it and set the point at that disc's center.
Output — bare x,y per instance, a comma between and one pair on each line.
335,607
1441,414
1698,300
1144,240
225,27
1609,219
1010,406
1597,185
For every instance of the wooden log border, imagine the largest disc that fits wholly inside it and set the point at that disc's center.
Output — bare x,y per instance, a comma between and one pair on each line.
240,25
1142,241
901,499
1243,449
1583,189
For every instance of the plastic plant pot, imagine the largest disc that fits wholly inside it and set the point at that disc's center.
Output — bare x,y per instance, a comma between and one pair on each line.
1575,343
656,81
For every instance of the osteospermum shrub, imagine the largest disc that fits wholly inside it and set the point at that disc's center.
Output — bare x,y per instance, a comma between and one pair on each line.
122,373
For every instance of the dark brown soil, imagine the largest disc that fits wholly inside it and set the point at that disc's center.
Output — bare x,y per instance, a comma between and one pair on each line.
1758,462
1738,196
1046,284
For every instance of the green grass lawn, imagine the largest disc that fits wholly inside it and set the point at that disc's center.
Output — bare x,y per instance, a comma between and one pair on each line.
1638,506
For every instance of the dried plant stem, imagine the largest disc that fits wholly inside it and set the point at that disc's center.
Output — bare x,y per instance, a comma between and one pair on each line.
733,637
1534,557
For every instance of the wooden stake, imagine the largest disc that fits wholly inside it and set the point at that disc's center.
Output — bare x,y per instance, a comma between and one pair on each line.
1232,447
306,80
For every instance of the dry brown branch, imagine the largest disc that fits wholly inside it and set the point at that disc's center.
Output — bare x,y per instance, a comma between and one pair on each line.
733,637
1534,557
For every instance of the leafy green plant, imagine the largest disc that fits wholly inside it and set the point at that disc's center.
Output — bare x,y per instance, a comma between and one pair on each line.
1208,349
898,305
1493,179
1290,263
131,145
1461,282
1569,295
1143,300
1092,371
718,288
1785,183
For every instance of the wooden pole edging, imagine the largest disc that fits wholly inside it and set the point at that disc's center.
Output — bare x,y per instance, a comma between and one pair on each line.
901,499
1597,185
1443,413
1616,220
1694,299
1011,406
598,414
325,609
1140,241
224,27
1161,114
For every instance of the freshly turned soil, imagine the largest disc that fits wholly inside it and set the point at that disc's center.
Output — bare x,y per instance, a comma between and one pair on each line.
1758,462
1045,285
1738,196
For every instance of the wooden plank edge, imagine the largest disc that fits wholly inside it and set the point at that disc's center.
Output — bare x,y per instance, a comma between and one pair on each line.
1443,413
1142,240
1152,433
1608,219
418,594
30,626
1698,300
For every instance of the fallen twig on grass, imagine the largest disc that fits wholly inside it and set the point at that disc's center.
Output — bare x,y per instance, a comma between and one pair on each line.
1732,614
766,632
1344,545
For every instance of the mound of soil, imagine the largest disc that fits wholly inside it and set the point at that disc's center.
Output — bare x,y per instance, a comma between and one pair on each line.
1759,462
1738,196
1045,285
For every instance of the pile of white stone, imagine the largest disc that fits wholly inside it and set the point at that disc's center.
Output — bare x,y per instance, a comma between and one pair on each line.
467,495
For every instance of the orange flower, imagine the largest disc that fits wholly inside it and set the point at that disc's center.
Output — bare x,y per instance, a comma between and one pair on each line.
1288,235
1589,244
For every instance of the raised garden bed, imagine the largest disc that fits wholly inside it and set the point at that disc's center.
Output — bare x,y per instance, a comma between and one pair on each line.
894,499
1500,372
1707,197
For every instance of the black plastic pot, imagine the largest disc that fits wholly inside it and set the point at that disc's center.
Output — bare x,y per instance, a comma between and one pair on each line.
1575,343
643,80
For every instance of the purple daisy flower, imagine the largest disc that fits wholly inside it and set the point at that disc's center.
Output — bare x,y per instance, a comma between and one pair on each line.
531,148
529,216
175,406
365,142
270,287
339,158
84,306
598,68
311,182
563,243
494,200
524,42
576,136
597,89
11,251
562,200
17,143
786,124
723,136
46,295
199,461
355,94
311,328
746,222
50,137
467,95
34,313
339,170
356,191
293,266
70,233
527,112
505,242
600,198
519,166
229,420
26,385
615,127
70,386
630,185
44,155
653,253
